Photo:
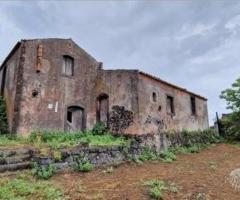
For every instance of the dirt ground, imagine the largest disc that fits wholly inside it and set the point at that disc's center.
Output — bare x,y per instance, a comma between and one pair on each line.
197,176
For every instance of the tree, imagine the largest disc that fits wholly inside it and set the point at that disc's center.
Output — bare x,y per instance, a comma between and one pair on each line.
231,123
232,96
3,117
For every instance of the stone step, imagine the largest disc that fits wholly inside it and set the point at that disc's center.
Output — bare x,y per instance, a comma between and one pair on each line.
20,151
15,159
17,166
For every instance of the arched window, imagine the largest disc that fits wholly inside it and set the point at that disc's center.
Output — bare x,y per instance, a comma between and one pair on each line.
103,108
75,118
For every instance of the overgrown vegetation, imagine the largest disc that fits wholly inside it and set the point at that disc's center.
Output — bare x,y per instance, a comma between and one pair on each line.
59,139
25,187
3,117
83,165
194,142
158,187
43,172
230,125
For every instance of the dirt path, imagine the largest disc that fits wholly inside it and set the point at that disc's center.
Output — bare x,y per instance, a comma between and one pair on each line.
203,174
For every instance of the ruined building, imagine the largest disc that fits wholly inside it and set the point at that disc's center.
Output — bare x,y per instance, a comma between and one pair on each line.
54,84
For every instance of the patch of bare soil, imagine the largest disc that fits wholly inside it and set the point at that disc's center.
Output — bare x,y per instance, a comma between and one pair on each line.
197,176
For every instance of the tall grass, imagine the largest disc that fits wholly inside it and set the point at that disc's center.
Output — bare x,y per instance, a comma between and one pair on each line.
59,139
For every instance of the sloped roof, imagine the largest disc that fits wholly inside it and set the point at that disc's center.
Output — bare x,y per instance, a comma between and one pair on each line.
171,85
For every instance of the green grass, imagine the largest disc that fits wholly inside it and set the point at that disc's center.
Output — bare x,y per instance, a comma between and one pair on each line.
25,187
59,139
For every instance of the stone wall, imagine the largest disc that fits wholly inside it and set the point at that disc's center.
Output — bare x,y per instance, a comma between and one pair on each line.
153,114
16,159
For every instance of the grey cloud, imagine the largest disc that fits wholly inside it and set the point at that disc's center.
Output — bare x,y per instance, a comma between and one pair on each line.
191,43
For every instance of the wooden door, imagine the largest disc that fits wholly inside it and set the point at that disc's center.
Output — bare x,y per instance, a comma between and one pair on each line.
77,119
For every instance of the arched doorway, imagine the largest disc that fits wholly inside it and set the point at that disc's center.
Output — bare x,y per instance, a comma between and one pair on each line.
103,108
75,118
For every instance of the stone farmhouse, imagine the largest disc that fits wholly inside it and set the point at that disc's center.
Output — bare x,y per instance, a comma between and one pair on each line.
55,84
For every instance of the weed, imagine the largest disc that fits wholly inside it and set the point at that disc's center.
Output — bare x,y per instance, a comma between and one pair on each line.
83,165
156,188
57,155
109,170
43,172
168,156
148,154
58,139
26,188
173,188
212,165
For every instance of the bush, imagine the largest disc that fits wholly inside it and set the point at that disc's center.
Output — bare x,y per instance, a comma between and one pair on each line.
99,129
199,137
231,126
3,117
43,172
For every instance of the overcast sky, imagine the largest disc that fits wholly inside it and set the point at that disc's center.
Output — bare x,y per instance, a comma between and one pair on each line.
194,44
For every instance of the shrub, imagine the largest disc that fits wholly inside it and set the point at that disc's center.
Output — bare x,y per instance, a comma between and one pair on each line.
201,136
99,129
231,126
3,117
231,123
43,172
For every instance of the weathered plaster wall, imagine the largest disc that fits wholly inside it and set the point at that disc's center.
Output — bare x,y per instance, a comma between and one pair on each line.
153,116
55,90
10,84
121,87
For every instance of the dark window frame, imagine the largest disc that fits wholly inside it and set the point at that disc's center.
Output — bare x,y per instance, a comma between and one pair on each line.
64,68
154,97
170,99
193,105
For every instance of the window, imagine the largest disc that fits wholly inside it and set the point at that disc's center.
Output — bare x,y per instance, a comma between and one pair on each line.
170,105
193,105
68,64
154,96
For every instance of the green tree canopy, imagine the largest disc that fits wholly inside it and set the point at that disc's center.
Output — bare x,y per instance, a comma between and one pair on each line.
232,96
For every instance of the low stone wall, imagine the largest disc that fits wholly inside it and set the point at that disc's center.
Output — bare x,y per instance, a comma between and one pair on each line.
98,156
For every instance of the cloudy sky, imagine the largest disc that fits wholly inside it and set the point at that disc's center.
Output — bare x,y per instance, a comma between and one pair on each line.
194,44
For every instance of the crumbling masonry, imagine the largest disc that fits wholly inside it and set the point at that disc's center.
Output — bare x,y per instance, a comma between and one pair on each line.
54,84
